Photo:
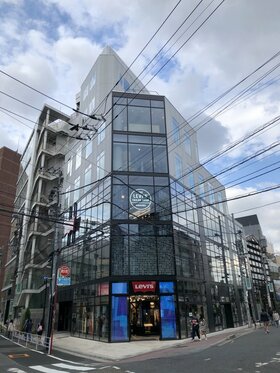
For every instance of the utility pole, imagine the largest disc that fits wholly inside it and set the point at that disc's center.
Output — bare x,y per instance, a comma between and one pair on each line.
55,253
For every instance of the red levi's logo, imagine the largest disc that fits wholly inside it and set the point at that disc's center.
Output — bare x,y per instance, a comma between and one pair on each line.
144,287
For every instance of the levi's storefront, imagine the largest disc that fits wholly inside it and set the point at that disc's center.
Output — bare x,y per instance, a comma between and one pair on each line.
143,310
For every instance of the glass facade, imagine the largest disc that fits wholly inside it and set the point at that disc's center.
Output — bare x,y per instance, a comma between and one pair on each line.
149,252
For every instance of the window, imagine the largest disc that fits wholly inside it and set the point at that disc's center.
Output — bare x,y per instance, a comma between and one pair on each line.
178,167
92,81
67,198
139,119
120,118
175,131
76,190
69,166
140,157
88,148
91,105
87,178
158,123
100,165
101,133
188,144
200,185
190,179
160,158
120,157
79,156
85,93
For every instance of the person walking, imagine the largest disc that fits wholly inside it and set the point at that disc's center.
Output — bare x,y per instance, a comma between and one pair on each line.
276,318
39,331
264,318
11,328
28,329
203,328
195,328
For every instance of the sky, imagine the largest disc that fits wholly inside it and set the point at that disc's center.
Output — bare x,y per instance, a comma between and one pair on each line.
52,44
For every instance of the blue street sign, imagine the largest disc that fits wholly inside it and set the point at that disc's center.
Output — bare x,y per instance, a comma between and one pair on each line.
63,281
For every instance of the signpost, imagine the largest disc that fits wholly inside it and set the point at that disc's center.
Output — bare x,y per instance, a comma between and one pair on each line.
63,276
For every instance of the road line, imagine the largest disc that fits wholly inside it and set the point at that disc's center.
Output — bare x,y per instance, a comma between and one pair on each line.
40,368
39,352
108,366
67,366
16,370
71,362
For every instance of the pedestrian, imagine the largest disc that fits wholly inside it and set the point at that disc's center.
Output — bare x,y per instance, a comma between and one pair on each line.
264,317
276,318
39,331
28,329
195,328
203,328
11,328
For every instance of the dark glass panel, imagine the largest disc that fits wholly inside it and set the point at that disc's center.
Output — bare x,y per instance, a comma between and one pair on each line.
120,157
160,158
158,121
120,118
139,119
120,202
140,158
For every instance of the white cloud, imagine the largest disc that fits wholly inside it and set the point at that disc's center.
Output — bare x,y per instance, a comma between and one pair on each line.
54,52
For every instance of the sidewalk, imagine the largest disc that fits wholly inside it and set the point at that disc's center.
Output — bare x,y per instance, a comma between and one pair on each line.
117,351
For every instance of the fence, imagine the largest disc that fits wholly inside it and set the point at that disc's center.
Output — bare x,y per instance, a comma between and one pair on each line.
39,342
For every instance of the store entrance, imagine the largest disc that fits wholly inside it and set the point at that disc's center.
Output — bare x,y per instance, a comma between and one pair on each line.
144,316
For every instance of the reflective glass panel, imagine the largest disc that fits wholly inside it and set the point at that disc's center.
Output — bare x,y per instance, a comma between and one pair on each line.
140,158
119,288
120,118
119,323
139,119
168,317
166,287
158,123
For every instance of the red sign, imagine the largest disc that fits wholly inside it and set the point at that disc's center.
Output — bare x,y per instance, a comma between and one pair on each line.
64,271
144,286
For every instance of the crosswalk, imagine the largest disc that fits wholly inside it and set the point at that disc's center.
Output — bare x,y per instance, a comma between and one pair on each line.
68,368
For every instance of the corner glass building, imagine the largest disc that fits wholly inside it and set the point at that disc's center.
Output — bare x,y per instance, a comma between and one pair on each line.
155,244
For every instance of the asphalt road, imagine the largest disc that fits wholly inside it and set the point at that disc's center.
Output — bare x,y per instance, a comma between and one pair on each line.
255,352
17,359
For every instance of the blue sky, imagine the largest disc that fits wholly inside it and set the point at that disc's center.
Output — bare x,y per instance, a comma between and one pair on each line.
52,44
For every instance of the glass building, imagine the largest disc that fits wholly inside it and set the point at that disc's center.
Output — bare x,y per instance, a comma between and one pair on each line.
148,239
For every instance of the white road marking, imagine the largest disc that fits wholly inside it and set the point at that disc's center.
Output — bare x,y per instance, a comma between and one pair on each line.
117,368
16,370
39,352
260,364
40,368
71,367
209,358
69,361
108,366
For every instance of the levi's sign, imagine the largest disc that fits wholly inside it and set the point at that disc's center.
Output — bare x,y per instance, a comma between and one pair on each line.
140,199
144,286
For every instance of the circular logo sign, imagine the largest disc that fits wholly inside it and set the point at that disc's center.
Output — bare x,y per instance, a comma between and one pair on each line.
64,271
140,199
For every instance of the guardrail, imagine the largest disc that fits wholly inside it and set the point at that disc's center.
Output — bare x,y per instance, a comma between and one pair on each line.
39,342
